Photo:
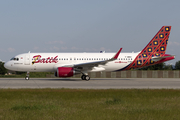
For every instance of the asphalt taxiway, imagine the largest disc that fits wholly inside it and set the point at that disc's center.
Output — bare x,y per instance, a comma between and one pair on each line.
94,83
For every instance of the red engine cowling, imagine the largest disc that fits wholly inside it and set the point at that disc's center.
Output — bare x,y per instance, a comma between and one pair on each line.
64,72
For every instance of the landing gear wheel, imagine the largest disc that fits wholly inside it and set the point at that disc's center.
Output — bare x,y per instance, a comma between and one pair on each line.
87,78
83,77
26,78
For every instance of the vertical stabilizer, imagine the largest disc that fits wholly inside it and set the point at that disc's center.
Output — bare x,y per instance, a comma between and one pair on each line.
156,47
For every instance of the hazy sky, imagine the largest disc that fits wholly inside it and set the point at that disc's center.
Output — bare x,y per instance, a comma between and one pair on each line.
85,25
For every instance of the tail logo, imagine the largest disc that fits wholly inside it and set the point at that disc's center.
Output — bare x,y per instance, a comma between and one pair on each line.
156,47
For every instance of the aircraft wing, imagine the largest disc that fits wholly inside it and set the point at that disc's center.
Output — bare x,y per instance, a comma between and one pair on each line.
90,65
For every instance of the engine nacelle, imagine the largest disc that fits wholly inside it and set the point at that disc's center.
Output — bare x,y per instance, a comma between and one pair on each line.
64,72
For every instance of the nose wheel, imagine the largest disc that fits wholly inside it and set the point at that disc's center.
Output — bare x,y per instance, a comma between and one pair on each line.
85,77
26,78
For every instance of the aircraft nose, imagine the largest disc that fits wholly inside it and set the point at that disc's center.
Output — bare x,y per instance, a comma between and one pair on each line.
7,65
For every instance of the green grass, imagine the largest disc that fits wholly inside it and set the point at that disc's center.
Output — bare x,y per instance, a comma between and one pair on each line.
32,75
80,104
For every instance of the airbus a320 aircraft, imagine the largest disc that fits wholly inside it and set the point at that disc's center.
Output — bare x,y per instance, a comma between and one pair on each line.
69,64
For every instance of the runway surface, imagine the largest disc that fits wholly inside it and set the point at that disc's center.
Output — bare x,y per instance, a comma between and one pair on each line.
95,83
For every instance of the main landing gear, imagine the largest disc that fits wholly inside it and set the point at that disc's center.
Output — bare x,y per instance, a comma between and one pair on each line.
85,77
27,76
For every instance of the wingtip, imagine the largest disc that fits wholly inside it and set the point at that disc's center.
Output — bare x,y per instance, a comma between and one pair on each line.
117,54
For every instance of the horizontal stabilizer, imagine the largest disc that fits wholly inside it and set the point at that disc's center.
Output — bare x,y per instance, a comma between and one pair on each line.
162,57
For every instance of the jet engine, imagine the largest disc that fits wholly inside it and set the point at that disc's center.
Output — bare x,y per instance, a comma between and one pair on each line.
65,72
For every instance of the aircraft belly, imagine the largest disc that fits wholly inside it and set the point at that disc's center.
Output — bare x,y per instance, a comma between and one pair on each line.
34,68
115,66
42,68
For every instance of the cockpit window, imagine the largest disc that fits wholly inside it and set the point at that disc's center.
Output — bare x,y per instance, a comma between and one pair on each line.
15,59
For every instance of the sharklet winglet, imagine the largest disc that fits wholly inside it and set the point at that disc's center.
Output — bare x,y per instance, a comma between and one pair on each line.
117,54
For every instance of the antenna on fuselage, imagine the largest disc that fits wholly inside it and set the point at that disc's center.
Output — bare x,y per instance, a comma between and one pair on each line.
29,51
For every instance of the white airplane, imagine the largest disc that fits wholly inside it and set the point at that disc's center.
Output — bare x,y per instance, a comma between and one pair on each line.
69,64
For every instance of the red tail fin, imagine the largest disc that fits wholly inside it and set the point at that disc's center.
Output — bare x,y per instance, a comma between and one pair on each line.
156,47
159,42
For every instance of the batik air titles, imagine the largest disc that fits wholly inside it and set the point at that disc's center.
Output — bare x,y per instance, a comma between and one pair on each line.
69,64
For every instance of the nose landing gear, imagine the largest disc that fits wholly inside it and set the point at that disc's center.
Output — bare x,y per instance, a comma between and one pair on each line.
27,76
